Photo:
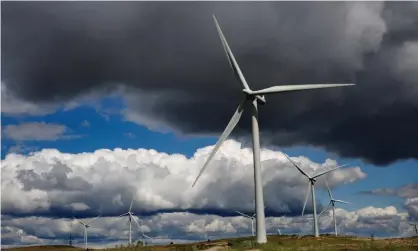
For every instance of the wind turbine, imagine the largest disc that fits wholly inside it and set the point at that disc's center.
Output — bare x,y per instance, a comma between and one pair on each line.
332,205
144,236
255,97
252,218
311,186
86,225
415,226
130,216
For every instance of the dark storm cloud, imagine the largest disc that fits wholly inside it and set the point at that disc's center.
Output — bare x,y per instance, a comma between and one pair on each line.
170,58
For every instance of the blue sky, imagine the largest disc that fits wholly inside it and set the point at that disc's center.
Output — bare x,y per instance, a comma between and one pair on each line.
109,130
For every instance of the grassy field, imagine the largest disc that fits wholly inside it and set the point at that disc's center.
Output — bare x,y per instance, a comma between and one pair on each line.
275,243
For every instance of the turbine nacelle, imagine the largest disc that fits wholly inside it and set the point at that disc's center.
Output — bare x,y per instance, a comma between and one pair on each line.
261,99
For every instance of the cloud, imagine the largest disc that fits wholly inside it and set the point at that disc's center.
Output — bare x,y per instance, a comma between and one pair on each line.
169,59
109,231
130,135
85,123
409,192
51,183
37,131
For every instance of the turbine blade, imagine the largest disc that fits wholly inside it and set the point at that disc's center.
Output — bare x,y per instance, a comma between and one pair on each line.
306,197
231,125
93,220
324,209
325,172
286,88
329,191
130,207
139,226
231,58
146,236
300,170
122,214
246,216
79,221
341,201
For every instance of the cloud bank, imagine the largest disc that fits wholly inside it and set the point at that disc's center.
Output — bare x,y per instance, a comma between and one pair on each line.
169,60
55,184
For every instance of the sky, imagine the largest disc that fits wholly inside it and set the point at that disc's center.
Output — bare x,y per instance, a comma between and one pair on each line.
102,102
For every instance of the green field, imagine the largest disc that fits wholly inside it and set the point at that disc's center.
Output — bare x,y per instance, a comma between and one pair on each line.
275,243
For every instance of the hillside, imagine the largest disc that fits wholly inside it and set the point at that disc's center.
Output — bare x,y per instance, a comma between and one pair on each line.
275,243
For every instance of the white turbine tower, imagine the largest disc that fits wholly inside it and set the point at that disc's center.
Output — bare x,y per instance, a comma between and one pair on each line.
332,205
130,216
311,186
86,225
415,226
255,97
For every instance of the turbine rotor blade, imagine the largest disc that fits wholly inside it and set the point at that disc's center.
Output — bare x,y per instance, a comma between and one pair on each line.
329,191
324,209
93,220
123,214
300,169
341,201
246,216
306,197
231,125
325,172
287,88
79,221
139,227
130,207
231,58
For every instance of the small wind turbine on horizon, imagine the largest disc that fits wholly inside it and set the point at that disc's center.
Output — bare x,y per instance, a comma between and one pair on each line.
252,218
311,187
415,226
130,216
255,97
331,204
86,225
144,237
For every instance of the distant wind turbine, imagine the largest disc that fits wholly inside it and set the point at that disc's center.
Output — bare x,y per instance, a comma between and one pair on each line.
130,216
86,225
415,226
144,237
255,97
311,186
332,205
252,218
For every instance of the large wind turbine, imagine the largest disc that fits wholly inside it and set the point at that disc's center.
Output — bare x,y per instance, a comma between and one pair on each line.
311,186
86,225
129,213
332,205
255,97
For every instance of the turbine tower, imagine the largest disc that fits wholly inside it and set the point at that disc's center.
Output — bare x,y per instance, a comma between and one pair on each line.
130,216
311,186
332,205
255,97
86,225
